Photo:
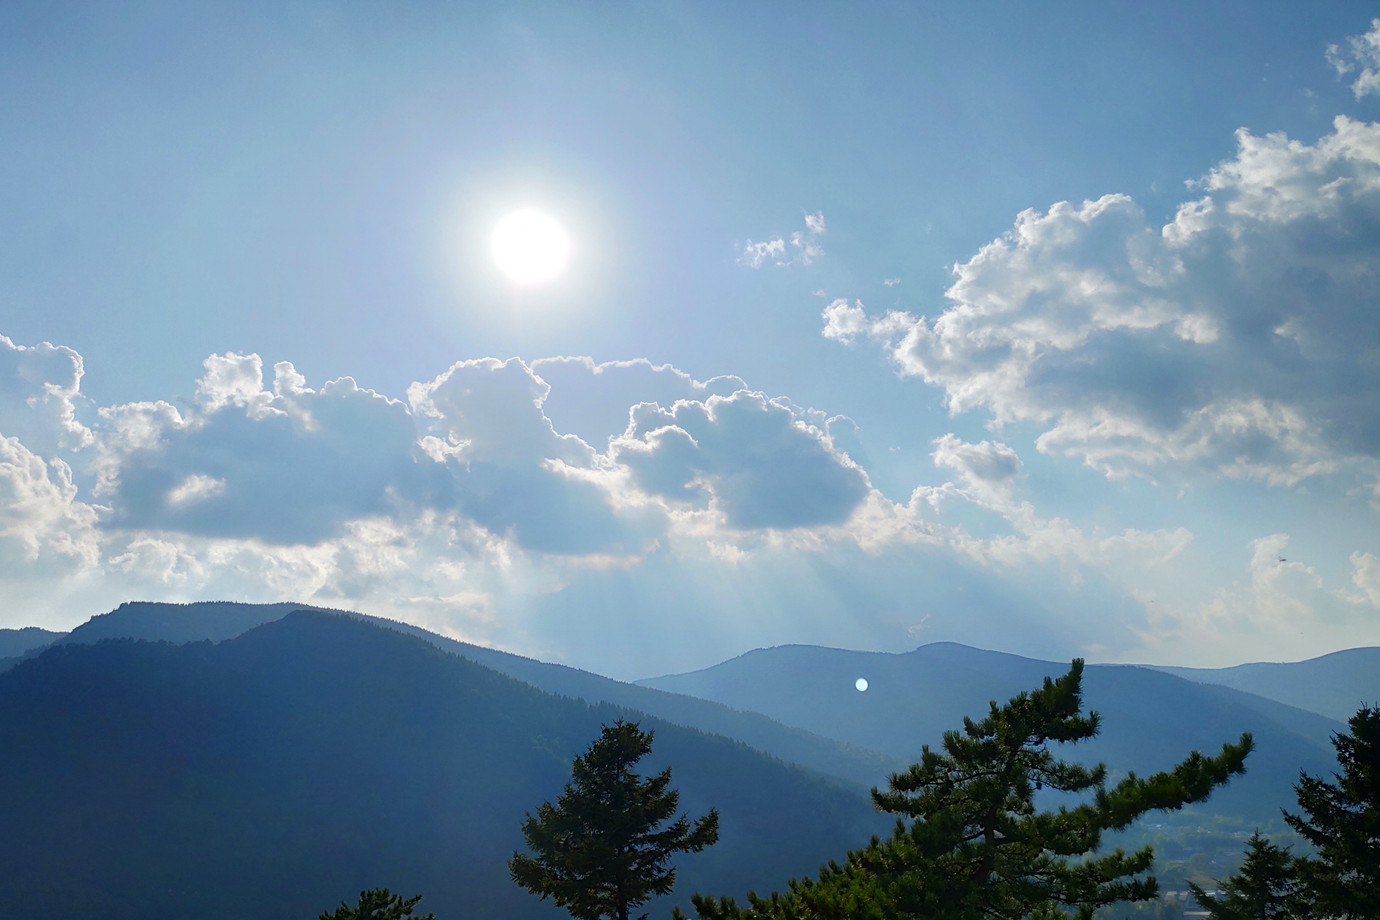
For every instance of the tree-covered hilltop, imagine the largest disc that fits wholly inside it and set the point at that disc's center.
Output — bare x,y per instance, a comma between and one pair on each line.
266,775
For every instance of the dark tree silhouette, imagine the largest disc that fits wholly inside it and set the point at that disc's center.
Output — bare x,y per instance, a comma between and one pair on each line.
1266,887
598,852
977,846
1341,820
378,904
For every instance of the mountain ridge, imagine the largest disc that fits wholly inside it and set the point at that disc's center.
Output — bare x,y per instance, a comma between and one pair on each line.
1150,719
273,773
217,620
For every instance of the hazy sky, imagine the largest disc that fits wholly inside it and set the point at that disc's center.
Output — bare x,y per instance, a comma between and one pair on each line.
1048,328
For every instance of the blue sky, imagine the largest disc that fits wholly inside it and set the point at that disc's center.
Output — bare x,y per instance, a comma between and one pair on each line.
1045,328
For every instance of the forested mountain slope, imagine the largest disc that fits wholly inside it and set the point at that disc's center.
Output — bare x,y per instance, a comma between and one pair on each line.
181,623
273,774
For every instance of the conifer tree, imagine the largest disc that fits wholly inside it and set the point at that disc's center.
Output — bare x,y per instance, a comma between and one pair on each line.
598,852
378,904
1341,820
976,846
1266,887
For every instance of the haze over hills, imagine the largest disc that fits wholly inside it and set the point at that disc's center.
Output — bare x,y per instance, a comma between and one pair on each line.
1335,685
217,620
180,623
15,642
274,773
1150,719
780,701
424,752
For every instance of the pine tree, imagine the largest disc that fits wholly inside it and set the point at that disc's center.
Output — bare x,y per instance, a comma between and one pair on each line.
1266,887
1341,820
977,846
597,851
378,904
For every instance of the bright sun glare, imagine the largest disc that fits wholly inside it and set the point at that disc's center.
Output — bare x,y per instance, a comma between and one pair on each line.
530,247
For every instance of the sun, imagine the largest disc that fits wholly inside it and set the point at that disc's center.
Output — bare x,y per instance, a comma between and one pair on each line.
530,247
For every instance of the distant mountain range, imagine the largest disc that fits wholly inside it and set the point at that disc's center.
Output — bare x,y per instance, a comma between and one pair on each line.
268,760
1334,685
15,642
212,620
275,773
1150,719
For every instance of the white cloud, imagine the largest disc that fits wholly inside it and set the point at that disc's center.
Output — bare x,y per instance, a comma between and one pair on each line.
1281,610
987,462
235,380
1361,55
470,510
195,488
39,395
755,255
804,247
1365,576
844,322
1238,339
757,461
593,400
290,465
43,526
510,465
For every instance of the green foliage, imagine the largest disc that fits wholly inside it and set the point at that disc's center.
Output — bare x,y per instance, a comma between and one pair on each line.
977,846
378,904
1266,887
598,851
1341,820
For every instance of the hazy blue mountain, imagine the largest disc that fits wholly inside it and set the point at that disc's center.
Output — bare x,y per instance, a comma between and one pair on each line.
276,773
1150,719
181,623
795,745
1334,685
15,642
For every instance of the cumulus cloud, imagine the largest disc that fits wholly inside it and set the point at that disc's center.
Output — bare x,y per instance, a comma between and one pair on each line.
1360,56
286,465
987,462
476,509
515,474
1239,338
804,246
44,528
757,461
39,395
593,400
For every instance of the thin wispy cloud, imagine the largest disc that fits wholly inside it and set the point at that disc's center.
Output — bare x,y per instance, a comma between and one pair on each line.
1360,55
803,248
